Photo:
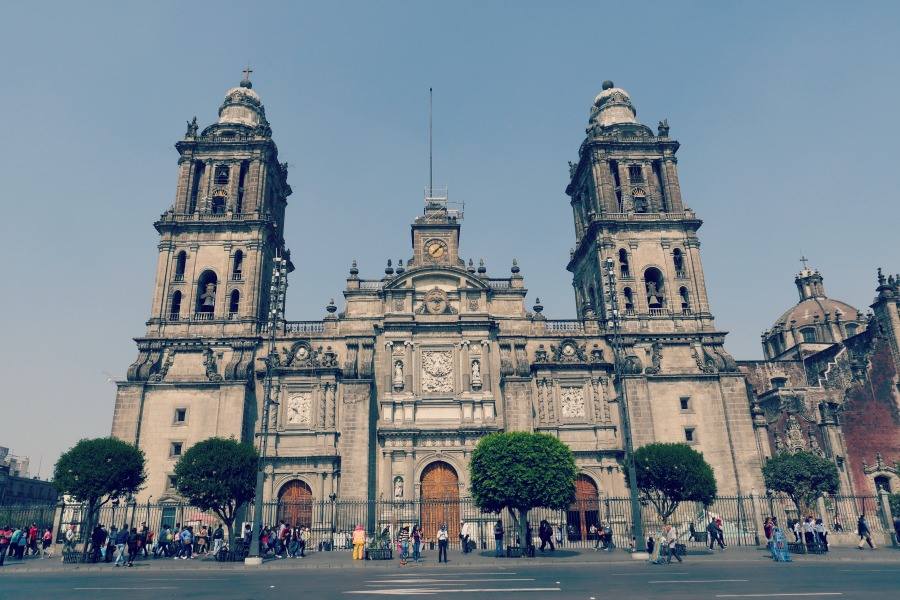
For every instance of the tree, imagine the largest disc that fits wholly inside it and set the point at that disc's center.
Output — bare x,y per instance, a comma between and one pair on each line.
669,474
218,474
802,476
95,471
519,471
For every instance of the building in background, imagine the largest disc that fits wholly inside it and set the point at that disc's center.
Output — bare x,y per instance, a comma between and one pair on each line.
16,487
387,395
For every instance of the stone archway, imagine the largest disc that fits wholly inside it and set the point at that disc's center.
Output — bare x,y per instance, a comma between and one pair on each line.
584,512
295,502
439,495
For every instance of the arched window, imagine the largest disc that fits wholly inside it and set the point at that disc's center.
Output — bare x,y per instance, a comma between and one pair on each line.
234,303
624,271
237,265
206,295
685,300
629,301
678,259
809,335
180,263
883,482
175,306
654,284
239,205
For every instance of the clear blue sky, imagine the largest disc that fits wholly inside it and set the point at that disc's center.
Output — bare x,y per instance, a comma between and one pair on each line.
786,111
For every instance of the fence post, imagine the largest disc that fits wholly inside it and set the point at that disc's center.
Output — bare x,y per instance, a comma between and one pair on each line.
823,512
57,521
886,516
757,517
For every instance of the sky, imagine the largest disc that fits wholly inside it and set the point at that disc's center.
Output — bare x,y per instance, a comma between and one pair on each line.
786,112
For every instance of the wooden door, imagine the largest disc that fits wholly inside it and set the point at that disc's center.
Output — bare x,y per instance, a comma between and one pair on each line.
584,511
295,504
440,500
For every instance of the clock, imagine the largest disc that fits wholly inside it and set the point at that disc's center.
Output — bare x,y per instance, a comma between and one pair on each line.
568,349
435,249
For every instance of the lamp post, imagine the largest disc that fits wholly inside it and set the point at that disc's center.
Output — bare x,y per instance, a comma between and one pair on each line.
615,325
275,316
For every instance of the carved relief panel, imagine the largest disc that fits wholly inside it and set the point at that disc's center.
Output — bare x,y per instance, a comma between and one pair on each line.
437,372
571,402
299,409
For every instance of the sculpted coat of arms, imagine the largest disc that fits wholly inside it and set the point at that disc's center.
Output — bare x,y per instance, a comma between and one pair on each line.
571,400
437,372
299,409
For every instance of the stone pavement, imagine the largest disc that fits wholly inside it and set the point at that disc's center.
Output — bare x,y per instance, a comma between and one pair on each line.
477,559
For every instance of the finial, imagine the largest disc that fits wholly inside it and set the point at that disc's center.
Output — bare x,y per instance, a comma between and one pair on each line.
245,82
880,277
481,268
538,307
471,268
331,307
514,269
389,270
400,268
608,85
354,270
804,260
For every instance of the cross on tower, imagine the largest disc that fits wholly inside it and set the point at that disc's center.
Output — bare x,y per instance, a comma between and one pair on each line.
247,72
804,260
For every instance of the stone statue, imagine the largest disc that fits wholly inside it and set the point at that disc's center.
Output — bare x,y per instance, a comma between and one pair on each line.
398,375
192,128
476,374
398,488
208,298
662,130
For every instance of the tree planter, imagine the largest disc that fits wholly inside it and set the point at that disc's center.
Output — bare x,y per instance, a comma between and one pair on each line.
513,551
379,554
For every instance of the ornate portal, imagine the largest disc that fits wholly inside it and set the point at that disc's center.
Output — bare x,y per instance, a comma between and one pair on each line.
299,409
571,400
437,372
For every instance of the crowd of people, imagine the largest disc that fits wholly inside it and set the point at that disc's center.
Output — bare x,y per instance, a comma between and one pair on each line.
25,541
280,541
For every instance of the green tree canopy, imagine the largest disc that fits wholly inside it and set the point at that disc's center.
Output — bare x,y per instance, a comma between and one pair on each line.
95,471
218,474
802,476
519,471
669,474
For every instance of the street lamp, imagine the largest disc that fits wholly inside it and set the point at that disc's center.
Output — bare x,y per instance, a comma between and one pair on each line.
275,316
615,325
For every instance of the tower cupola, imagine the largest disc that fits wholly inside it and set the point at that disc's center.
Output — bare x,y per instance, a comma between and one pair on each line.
612,106
242,105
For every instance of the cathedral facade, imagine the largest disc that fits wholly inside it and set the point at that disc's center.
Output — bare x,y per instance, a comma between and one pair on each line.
387,395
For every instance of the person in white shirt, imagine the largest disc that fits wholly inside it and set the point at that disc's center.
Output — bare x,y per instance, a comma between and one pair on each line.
464,536
671,541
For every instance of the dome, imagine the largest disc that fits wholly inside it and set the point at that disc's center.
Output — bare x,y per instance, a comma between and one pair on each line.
813,310
612,106
242,106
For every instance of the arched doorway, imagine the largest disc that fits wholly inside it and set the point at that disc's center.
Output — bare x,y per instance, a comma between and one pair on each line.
440,499
295,503
584,512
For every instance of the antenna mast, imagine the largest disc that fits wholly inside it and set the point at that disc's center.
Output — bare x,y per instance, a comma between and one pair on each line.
430,146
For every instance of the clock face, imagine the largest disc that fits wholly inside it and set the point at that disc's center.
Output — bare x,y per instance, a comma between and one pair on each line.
435,249
568,349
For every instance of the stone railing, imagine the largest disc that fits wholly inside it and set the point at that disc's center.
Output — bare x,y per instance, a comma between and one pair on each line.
499,284
370,285
304,326
564,326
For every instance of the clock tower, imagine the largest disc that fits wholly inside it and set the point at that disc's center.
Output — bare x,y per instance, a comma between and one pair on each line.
435,234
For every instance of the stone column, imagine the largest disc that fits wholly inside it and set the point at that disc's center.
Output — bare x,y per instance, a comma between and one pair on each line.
466,366
625,187
261,185
758,517
183,191
672,185
485,365
409,492
605,185
887,518
206,186
692,252
408,373
386,476
388,368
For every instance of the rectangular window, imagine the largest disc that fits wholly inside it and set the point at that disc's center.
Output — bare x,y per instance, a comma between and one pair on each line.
690,435
685,402
635,174
175,448
170,482
180,416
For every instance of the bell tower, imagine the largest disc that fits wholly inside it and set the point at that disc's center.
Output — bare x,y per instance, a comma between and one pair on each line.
627,206
218,238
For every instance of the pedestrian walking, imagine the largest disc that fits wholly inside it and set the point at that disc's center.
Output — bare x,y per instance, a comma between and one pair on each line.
33,535
865,534
714,534
498,539
359,542
780,552
809,534
464,536
21,542
768,530
121,544
545,533
187,541
203,540
403,543
218,539
671,541
5,534
47,543
443,538
416,542
134,539
821,534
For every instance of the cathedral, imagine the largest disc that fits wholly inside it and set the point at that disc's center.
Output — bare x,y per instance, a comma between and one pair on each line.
387,395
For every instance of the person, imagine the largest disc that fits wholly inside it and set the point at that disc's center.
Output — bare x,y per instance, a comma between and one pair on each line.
865,534
798,530
187,541
464,536
203,540
22,543
608,544
720,533
780,552
809,535
359,542
443,538
305,534
98,542
651,545
403,542
47,543
671,542
416,542
134,546
821,534
768,529
145,537
593,532
121,542
838,527
498,539
712,533
897,528
218,539
545,533
69,540
5,534
33,535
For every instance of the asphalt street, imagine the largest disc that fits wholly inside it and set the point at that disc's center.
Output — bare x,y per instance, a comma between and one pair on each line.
701,580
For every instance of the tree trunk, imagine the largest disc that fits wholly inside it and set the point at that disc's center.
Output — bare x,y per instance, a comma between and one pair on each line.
88,529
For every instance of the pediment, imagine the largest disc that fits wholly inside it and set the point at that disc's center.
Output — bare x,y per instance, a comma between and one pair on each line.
427,278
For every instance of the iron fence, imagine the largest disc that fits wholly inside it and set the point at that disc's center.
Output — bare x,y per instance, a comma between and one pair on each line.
331,523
